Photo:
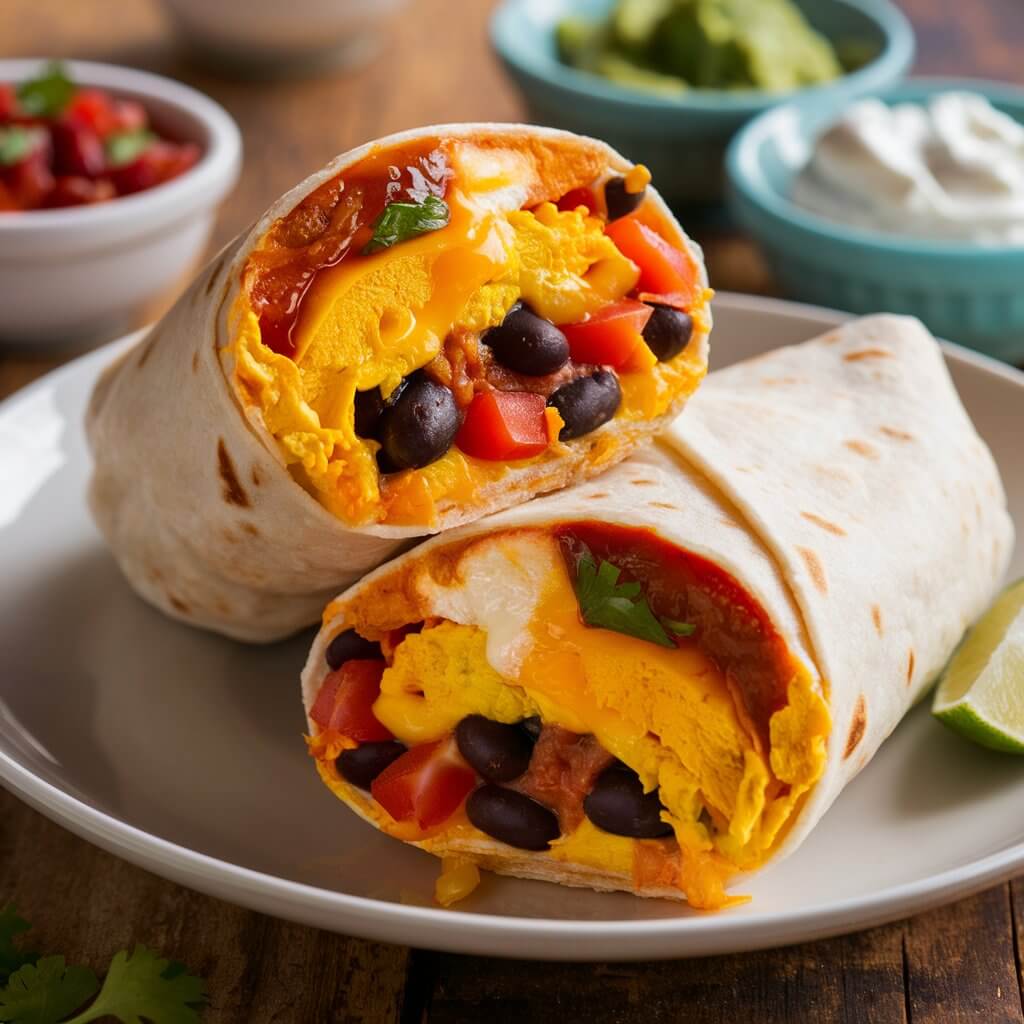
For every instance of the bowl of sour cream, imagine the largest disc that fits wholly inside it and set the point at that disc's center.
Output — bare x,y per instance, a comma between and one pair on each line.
911,201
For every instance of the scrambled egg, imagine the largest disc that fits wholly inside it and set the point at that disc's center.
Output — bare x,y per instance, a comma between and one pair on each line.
666,713
370,321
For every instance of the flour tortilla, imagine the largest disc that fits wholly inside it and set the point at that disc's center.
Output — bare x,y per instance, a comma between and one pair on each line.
840,480
190,491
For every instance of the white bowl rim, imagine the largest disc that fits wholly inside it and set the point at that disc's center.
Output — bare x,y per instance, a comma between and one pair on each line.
203,185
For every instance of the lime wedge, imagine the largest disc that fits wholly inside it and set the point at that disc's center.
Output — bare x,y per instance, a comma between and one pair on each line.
981,691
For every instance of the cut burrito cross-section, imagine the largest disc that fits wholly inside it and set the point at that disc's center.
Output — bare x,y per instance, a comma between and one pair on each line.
659,680
436,326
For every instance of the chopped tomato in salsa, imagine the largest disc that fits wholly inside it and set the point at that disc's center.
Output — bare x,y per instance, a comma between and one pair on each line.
731,626
65,145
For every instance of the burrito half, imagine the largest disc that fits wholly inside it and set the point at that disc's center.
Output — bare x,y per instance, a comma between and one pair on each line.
662,678
435,326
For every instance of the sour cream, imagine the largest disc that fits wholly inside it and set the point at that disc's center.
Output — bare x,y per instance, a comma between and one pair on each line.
952,170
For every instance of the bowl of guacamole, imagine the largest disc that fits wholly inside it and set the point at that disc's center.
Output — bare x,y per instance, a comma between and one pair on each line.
669,82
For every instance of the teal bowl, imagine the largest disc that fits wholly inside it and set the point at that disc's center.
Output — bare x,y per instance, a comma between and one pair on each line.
969,293
681,139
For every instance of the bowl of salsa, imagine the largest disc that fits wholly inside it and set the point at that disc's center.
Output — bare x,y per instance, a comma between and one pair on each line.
109,183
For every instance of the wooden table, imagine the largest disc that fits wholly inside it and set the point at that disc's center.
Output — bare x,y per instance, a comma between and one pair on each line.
961,963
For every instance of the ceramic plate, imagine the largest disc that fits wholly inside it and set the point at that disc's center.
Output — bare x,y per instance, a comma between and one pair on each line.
182,751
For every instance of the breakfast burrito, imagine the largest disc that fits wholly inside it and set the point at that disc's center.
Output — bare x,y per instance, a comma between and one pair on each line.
662,678
435,326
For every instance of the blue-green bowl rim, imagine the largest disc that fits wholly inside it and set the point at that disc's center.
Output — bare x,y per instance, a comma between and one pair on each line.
894,59
784,210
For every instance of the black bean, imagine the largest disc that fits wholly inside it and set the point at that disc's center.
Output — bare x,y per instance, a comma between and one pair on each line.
668,332
532,726
618,201
362,764
527,343
512,818
369,407
418,427
498,752
618,804
586,403
348,645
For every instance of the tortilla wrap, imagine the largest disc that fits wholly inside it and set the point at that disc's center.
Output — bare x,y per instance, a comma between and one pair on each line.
230,481
839,483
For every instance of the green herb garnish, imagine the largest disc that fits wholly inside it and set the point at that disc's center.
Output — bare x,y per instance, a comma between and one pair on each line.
399,222
139,986
48,94
605,603
15,144
123,147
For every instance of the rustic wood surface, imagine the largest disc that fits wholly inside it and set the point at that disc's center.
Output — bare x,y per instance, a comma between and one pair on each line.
961,963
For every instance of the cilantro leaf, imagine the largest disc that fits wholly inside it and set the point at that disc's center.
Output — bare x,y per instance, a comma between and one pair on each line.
123,147
398,222
15,144
46,992
142,986
607,604
12,958
48,94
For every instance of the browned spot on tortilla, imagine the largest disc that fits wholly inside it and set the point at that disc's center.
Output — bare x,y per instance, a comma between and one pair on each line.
862,448
195,362
897,435
779,381
876,618
147,348
599,494
857,726
662,504
831,339
824,524
910,667
257,477
251,529
867,353
814,567
233,493
177,604
638,482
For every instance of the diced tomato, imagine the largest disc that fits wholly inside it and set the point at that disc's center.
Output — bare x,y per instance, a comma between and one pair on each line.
504,425
345,701
7,200
29,181
159,162
76,149
128,116
74,190
426,784
8,101
611,335
663,267
578,197
93,109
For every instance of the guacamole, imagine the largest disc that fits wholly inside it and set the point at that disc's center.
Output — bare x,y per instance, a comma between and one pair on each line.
669,46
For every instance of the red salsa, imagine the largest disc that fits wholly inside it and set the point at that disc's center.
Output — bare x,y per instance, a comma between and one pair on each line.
66,145
731,627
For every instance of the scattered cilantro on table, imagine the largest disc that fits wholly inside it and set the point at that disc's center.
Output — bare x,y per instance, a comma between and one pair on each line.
608,604
140,986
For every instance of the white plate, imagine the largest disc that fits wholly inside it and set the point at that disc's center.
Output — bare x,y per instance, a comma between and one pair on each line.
182,752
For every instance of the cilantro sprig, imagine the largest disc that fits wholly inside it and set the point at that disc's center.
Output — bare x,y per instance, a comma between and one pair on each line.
123,147
398,222
47,94
605,603
140,985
